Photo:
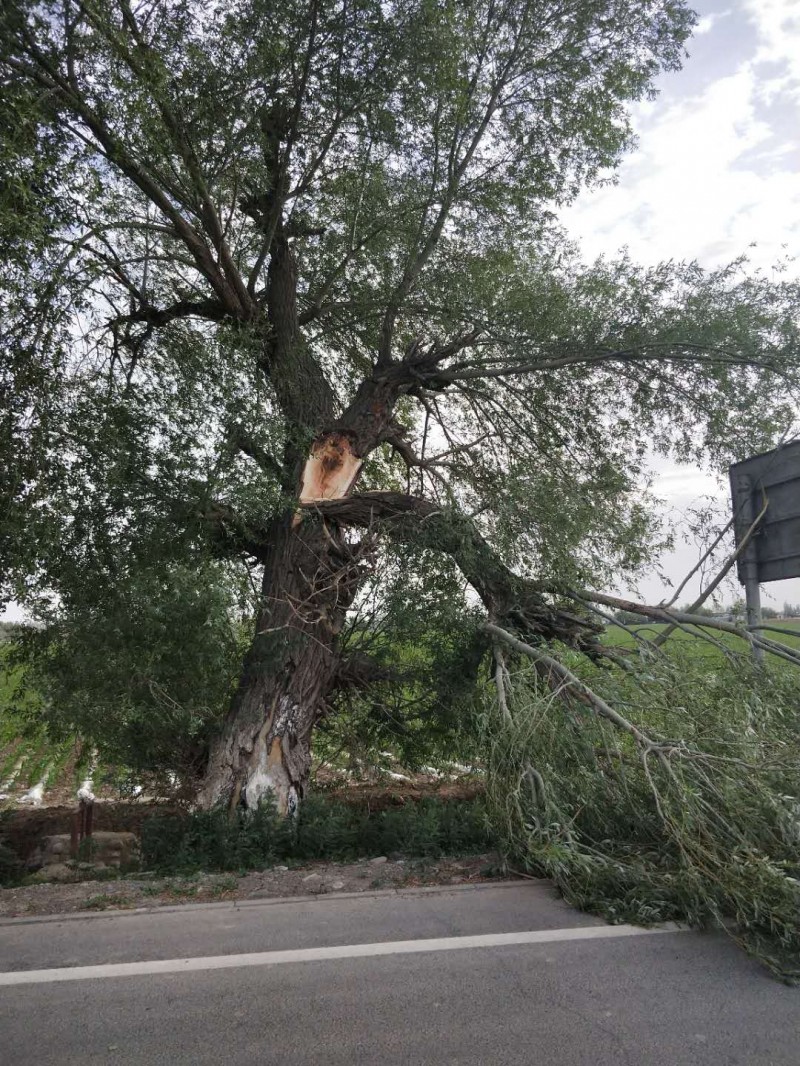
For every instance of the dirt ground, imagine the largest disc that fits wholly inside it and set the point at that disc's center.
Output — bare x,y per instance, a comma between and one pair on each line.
313,879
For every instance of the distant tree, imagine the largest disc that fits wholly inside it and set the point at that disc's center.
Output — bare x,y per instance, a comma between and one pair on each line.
706,612
630,618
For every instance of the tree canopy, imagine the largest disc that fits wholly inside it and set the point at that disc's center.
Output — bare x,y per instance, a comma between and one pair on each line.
412,156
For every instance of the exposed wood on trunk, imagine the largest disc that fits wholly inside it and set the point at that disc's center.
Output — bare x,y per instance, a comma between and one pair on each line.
331,469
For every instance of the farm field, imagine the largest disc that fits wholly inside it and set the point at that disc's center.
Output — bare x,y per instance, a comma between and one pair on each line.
650,630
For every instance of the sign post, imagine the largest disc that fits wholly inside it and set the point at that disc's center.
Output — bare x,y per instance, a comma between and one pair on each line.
768,483
748,561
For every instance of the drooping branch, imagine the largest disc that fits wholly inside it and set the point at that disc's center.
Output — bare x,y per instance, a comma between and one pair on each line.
508,598
575,686
698,621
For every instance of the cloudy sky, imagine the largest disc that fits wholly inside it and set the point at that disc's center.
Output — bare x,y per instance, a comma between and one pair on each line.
716,174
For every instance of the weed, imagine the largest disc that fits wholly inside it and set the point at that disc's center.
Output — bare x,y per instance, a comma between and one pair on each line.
103,902
223,885
181,889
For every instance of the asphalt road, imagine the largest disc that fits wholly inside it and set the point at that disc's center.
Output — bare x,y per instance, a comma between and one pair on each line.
491,974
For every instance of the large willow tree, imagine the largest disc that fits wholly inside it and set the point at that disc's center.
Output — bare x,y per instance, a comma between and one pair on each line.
282,278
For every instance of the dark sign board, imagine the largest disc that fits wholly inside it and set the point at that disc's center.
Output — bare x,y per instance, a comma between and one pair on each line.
772,478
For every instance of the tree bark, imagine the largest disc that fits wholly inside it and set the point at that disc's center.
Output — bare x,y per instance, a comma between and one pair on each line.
310,573
509,598
310,578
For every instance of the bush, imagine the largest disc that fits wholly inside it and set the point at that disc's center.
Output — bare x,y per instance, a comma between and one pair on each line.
212,840
141,671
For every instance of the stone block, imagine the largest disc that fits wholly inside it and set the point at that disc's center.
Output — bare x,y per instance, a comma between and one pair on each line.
102,849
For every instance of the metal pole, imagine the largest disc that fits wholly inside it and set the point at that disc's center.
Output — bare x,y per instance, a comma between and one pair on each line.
752,595
749,569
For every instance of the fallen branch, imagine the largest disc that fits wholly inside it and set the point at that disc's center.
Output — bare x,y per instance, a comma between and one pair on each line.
671,617
726,567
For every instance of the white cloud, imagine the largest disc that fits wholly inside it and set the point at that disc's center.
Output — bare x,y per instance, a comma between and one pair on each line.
716,170
708,22
778,34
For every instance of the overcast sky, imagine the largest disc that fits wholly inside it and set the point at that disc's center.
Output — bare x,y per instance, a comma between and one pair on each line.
717,170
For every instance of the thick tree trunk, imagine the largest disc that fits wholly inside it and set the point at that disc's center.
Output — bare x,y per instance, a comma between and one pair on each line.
310,573
310,577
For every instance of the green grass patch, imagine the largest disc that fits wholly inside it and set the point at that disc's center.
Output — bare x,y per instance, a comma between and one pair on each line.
684,642
103,902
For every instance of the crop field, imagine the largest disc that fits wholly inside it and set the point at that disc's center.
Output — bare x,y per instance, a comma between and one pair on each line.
716,643
28,756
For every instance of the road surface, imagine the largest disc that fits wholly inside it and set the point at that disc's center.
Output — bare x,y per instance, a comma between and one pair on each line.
494,974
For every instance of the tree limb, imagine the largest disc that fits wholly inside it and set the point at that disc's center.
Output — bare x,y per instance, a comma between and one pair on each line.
517,601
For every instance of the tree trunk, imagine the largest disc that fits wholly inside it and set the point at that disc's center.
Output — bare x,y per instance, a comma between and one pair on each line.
310,578
310,575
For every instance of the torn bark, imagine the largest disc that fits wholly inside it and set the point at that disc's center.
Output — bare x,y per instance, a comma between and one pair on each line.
310,578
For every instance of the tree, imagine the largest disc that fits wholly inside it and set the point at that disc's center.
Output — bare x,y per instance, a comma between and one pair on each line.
140,669
629,618
282,284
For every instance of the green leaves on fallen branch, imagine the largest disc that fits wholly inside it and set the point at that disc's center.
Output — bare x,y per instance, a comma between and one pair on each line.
707,831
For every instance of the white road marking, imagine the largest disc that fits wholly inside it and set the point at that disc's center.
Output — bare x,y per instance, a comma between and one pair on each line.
344,951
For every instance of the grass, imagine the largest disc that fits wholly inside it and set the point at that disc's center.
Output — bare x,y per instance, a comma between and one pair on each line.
193,885
102,902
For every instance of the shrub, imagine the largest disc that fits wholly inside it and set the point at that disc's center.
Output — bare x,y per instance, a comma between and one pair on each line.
252,840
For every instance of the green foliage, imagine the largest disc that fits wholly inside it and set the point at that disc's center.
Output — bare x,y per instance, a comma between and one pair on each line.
141,670
20,704
176,176
212,840
411,621
709,833
134,137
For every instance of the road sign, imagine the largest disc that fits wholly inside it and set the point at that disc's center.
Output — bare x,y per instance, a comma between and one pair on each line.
767,488
772,479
